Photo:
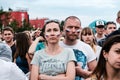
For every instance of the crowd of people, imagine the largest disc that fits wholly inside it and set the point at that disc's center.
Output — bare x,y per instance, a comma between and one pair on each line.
74,53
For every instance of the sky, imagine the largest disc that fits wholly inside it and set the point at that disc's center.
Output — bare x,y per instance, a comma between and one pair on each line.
86,10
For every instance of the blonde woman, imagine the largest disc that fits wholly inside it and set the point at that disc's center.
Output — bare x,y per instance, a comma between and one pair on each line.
88,37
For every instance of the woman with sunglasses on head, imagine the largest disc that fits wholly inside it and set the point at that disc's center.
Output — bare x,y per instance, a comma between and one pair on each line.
53,62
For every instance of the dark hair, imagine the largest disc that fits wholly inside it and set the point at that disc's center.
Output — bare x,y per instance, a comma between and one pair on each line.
109,22
22,45
8,29
100,68
47,22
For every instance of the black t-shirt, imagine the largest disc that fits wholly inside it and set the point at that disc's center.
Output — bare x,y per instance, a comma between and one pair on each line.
13,48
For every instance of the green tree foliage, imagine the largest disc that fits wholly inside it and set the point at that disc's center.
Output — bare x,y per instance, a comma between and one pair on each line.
25,26
4,18
14,24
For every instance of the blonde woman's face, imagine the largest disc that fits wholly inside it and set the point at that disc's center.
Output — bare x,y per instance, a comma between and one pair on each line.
88,38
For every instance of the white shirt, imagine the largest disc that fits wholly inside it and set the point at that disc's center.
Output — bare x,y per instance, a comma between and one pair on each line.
81,46
98,52
10,71
83,53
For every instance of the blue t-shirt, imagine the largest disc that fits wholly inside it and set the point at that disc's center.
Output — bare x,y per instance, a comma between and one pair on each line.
22,64
40,45
82,59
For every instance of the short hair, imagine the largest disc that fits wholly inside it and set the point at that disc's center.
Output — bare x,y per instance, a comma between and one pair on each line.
71,17
8,29
109,22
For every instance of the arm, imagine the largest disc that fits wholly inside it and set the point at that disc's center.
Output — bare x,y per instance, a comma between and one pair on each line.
86,73
28,60
92,65
82,72
34,73
70,74
34,44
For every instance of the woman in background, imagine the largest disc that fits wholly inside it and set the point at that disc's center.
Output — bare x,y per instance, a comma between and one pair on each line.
88,37
21,57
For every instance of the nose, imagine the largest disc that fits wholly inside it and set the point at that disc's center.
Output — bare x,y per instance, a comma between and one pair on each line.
73,29
52,33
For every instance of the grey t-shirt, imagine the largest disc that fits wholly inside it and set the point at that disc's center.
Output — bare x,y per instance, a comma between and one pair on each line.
53,65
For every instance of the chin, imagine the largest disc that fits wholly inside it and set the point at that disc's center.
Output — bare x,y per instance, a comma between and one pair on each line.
72,39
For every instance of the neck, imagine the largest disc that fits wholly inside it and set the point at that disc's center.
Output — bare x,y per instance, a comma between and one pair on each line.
99,35
69,42
53,49
10,43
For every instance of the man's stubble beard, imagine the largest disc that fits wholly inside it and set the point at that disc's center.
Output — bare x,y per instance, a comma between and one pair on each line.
9,41
71,39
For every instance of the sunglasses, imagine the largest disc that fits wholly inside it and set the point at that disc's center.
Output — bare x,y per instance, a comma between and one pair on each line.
53,20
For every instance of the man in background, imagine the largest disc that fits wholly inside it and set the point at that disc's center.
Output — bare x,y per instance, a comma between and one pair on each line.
8,36
109,28
99,30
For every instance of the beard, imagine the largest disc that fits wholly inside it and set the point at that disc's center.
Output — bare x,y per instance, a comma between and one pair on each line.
72,37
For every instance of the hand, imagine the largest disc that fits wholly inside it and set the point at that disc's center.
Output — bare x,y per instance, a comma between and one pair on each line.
78,69
82,72
40,38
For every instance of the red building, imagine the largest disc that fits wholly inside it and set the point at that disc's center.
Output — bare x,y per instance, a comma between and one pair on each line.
38,23
19,16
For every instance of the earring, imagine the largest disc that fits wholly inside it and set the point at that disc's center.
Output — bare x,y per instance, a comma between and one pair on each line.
106,59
